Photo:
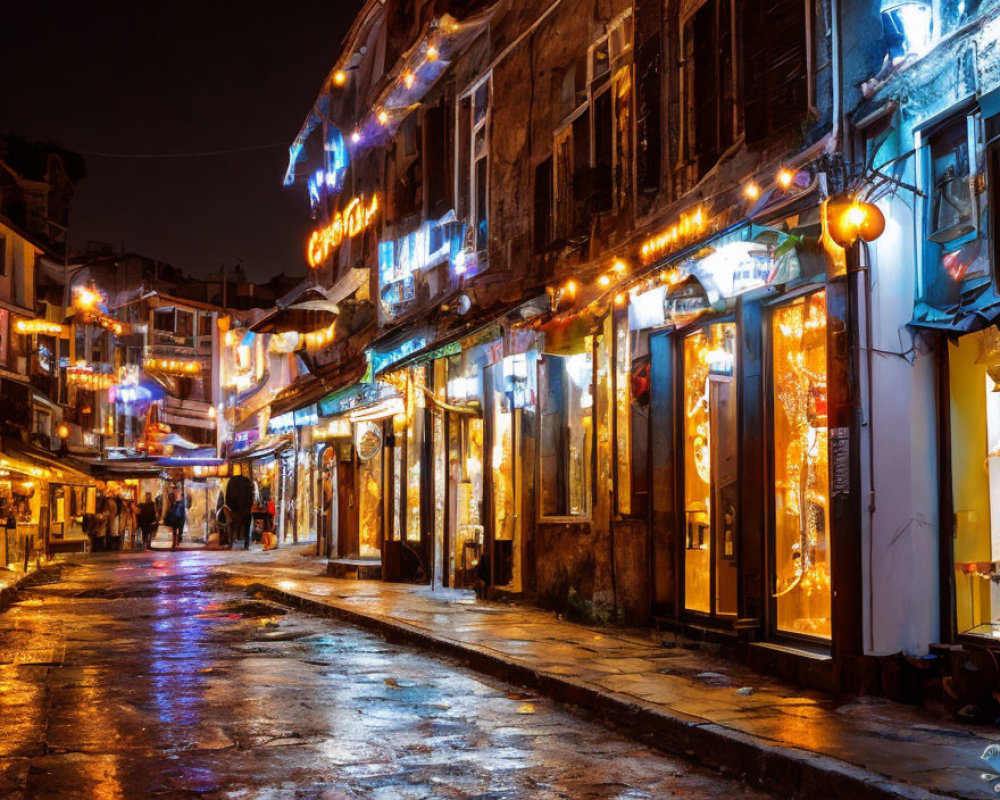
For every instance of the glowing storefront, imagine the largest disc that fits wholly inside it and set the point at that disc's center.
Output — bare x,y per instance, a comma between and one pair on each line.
731,343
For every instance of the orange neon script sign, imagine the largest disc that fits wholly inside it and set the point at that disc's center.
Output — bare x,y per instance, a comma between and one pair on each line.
347,223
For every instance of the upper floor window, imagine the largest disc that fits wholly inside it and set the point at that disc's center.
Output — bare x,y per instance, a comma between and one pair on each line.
956,229
709,82
473,173
775,91
610,85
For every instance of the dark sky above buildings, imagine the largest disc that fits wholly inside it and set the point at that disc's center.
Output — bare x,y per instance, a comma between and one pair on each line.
176,77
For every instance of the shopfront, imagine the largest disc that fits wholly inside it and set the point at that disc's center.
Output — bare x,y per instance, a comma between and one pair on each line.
458,434
739,443
350,484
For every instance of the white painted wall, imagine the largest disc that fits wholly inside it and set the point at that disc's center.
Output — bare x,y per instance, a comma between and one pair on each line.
900,538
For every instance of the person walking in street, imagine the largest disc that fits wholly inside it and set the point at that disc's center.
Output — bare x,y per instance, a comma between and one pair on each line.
239,498
147,521
175,518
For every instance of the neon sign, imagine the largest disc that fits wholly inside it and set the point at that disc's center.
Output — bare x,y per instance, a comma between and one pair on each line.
347,223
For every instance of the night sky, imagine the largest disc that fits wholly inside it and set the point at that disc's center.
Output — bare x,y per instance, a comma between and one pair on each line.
176,77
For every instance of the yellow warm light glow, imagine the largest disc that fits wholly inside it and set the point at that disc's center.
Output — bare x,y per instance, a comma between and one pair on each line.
604,281
85,298
432,53
63,431
785,178
350,222
570,287
340,77
690,226
29,326
620,300
751,191
383,117
855,215
173,366
619,266
408,79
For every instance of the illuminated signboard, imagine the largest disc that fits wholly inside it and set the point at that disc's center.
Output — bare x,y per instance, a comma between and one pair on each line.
355,218
381,361
399,260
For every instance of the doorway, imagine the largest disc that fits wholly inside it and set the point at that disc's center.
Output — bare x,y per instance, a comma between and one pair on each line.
710,469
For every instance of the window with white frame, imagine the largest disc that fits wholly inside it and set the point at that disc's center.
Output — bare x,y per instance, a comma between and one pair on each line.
473,172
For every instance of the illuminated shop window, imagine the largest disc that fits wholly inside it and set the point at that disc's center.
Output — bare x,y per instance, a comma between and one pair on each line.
623,414
414,443
801,542
710,469
973,371
631,398
566,410
513,381
369,451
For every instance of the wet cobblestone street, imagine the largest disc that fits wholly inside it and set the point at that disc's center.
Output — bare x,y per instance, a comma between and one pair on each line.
147,676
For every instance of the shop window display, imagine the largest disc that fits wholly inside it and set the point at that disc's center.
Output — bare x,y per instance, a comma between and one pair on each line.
466,497
513,394
801,467
974,373
710,469
566,405
368,445
623,413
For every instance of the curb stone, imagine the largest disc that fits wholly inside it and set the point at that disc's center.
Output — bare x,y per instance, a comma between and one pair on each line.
9,593
781,769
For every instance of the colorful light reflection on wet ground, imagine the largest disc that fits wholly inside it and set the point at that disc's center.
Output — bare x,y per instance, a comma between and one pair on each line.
147,676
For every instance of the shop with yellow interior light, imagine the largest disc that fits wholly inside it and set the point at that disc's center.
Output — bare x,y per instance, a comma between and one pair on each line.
43,505
732,424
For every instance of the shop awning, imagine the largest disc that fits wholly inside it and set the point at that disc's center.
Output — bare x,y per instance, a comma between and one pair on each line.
264,448
312,307
354,398
978,307
308,389
19,457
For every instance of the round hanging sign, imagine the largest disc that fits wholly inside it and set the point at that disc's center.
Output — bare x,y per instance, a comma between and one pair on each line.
368,440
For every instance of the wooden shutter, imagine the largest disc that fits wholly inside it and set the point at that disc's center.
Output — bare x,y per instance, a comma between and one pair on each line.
648,57
775,77
705,89
543,204
437,176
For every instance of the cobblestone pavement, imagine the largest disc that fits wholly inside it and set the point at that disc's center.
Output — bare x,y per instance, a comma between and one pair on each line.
147,675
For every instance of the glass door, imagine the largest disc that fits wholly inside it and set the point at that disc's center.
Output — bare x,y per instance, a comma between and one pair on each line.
801,530
710,470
